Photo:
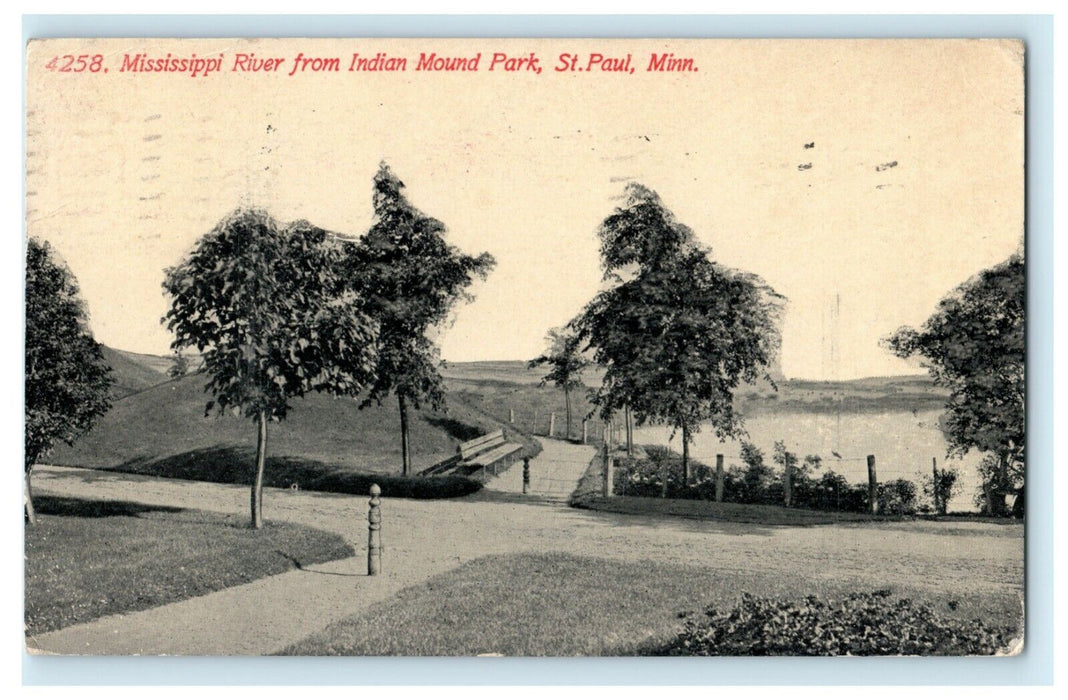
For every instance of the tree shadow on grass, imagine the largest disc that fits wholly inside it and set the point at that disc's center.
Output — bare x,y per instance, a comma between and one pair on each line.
227,464
80,508
455,429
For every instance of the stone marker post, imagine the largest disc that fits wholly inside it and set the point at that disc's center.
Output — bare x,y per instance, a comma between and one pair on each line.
374,532
534,427
526,474
584,434
719,478
873,486
552,423
511,416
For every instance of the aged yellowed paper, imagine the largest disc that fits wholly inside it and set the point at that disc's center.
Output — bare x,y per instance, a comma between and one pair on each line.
620,330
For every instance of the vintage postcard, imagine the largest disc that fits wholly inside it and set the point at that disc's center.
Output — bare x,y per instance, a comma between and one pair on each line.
514,347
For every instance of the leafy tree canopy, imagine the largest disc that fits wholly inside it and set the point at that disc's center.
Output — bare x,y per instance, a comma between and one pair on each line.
410,278
564,358
268,310
974,346
67,380
681,331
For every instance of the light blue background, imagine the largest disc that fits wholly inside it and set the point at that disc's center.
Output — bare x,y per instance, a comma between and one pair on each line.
1034,666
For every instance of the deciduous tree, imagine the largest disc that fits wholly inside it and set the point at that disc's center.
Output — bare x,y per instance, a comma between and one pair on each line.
974,346
67,380
676,332
410,278
566,362
266,307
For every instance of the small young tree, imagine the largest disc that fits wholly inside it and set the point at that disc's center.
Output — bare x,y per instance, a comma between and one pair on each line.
68,382
410,278
566,363
974,346
677,332
941,486
179,366
266,308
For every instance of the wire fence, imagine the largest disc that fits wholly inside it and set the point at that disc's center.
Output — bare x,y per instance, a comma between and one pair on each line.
836,482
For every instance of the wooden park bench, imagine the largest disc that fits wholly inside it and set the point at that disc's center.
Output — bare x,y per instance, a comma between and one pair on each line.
484,452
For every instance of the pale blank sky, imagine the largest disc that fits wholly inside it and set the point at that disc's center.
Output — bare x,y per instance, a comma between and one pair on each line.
126,171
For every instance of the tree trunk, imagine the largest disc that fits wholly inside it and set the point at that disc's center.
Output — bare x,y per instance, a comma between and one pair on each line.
567,401
998,493
256,496
31,514
629,428
406,457
685,456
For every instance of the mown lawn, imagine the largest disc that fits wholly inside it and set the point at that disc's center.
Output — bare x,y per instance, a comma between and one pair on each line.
88,559
565,605
163,431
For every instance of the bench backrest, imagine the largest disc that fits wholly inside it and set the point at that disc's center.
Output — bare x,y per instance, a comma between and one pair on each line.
481,444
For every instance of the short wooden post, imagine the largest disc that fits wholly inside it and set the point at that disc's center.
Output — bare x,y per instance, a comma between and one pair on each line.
511,415
787,480
374,532
630,431
934,484
584,434
719,478
873,486
552,423
534,426
526,474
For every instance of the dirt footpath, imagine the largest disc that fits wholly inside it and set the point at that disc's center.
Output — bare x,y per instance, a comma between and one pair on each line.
424,538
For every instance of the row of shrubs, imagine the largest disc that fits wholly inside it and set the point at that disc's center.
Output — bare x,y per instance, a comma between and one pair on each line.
862,624
756,482
230,465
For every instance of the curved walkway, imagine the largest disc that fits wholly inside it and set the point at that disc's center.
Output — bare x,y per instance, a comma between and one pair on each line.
425,538
265,615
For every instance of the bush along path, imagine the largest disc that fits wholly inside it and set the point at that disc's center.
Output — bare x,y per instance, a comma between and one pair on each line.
420,539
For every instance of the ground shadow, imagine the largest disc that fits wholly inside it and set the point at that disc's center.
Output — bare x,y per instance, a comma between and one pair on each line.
226,464
454,428
530,499
686,523
80,508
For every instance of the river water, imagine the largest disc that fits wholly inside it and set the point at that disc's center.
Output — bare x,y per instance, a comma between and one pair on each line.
903,442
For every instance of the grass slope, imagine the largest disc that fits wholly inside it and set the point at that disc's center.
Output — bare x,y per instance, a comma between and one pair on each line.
131,373
565,605
163,431
88,559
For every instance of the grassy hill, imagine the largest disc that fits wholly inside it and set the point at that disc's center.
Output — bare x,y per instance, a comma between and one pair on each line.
162,430
133,372
496,387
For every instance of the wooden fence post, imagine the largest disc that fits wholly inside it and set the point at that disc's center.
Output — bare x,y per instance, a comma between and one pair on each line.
873,486
552,423
584,434
534,426
374,532
719,478
787,480
934,484
526,474
606,473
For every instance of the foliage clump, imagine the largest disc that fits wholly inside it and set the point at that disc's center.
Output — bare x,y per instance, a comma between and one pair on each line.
862,624
68,382
974,345
756,482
